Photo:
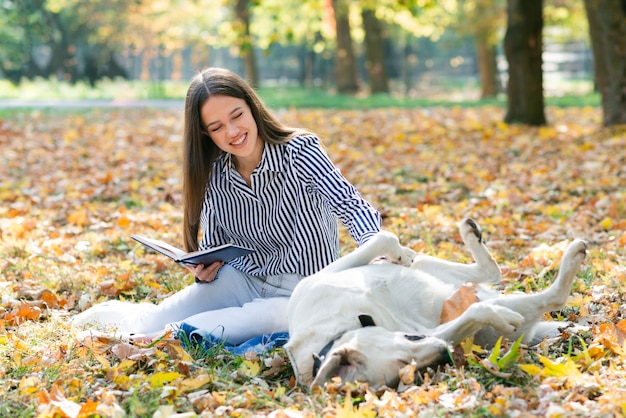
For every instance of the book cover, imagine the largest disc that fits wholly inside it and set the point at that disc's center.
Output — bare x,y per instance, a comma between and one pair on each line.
223,253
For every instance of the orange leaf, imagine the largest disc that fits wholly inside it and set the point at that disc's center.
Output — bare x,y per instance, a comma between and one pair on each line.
89,408
456,304
123,222
49,298
620,331
78,218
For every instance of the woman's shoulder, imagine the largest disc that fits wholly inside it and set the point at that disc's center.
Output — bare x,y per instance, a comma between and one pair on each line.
302,140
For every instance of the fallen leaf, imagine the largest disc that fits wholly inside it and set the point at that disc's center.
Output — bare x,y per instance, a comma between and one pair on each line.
458,303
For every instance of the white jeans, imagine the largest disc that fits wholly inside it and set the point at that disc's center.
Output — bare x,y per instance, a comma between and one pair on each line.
235,306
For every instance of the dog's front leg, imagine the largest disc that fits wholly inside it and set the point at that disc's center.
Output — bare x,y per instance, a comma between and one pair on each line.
383,244
476,317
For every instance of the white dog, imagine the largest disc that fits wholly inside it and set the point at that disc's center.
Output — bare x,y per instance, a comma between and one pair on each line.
364,322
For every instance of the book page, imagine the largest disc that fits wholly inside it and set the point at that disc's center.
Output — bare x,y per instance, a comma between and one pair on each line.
161,247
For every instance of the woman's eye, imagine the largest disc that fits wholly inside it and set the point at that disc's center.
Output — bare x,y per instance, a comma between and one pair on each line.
238,115
216,129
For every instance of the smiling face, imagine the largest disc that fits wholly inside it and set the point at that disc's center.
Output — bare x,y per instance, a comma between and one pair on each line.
229,123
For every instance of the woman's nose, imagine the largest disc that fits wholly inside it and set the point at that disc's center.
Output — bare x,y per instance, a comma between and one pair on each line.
232,129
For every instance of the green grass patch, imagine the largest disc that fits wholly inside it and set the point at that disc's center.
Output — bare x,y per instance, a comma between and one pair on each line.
278,97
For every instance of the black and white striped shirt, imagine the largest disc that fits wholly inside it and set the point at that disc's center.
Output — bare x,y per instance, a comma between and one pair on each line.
289,213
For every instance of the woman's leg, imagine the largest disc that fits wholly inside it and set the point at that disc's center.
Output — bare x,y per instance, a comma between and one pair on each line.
231,288
239,324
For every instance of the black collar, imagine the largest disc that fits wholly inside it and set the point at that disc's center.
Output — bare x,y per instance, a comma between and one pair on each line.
318,359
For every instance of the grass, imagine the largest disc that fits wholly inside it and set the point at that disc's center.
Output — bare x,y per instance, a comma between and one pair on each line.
442,93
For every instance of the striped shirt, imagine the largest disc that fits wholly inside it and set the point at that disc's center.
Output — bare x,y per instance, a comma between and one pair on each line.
289,215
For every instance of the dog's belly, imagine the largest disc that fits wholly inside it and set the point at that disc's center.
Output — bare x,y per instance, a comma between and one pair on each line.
396,297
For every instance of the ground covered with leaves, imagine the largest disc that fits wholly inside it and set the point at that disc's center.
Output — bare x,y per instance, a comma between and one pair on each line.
75,185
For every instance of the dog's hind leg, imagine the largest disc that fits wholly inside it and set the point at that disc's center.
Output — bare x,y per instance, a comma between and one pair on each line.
484,270
533,306
383,244
476,317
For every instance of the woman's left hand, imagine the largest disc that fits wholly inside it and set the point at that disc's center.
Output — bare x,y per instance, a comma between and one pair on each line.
205,274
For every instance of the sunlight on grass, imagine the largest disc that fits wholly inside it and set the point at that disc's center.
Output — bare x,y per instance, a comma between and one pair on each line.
451,93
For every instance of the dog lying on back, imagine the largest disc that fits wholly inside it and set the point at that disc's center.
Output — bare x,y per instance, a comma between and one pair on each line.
364,322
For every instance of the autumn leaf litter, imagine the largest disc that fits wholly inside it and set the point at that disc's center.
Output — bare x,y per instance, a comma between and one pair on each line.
75,186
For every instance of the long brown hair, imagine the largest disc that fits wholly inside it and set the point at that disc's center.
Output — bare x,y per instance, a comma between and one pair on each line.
199,151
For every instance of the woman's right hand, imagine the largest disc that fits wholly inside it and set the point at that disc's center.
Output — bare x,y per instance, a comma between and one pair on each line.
205,274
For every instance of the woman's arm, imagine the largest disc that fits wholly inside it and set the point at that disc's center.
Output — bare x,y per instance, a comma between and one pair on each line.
360,218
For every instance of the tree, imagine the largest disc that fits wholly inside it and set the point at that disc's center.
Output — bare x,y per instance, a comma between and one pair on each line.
482,19
375,52
607,29
80,39
345,62
523,46
246,44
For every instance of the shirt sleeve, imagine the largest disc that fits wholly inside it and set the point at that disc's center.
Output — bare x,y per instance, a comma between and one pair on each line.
343,199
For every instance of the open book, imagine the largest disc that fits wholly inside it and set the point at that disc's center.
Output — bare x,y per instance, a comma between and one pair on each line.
222,253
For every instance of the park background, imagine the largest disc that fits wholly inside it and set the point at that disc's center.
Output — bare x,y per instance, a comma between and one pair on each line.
510,112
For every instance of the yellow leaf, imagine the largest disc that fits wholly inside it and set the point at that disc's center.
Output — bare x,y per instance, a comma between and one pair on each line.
531,369
250,368
161,378
348,410
177,352
28,385
194,383
606,223
568,368
102,360
469,347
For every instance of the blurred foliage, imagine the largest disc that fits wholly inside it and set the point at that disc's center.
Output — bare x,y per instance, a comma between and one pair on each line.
75,39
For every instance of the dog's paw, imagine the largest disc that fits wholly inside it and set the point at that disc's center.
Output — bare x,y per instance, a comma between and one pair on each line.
387,246
470,230
501,318
506,320
407,257
575,252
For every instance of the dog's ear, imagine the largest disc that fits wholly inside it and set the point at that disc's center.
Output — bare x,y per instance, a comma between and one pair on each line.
329,368
366,320
345,363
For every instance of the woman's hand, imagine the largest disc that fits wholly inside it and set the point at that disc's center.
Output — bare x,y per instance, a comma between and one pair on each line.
205,274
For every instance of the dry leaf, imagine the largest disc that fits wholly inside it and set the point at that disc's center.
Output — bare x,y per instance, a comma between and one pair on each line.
456,304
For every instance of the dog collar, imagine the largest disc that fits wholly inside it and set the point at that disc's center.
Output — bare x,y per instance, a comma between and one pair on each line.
318,359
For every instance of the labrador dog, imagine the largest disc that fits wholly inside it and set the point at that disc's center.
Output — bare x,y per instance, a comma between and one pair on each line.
364,321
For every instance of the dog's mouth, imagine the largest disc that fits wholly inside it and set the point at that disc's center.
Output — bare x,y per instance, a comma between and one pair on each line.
445,358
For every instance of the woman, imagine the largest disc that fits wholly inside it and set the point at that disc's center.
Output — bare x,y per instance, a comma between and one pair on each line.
251,181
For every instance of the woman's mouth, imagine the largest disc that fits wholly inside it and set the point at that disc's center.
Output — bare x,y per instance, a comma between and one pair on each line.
239,141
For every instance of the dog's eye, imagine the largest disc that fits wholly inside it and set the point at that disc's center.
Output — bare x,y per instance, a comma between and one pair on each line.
414,337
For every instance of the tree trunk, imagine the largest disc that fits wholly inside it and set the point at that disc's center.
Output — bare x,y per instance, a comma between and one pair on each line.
607,28
487,68
246,48
375,52
523,45
345,63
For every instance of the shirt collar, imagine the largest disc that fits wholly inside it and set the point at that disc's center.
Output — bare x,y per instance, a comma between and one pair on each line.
273,159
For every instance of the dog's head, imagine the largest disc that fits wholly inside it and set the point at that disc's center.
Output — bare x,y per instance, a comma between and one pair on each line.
375,355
